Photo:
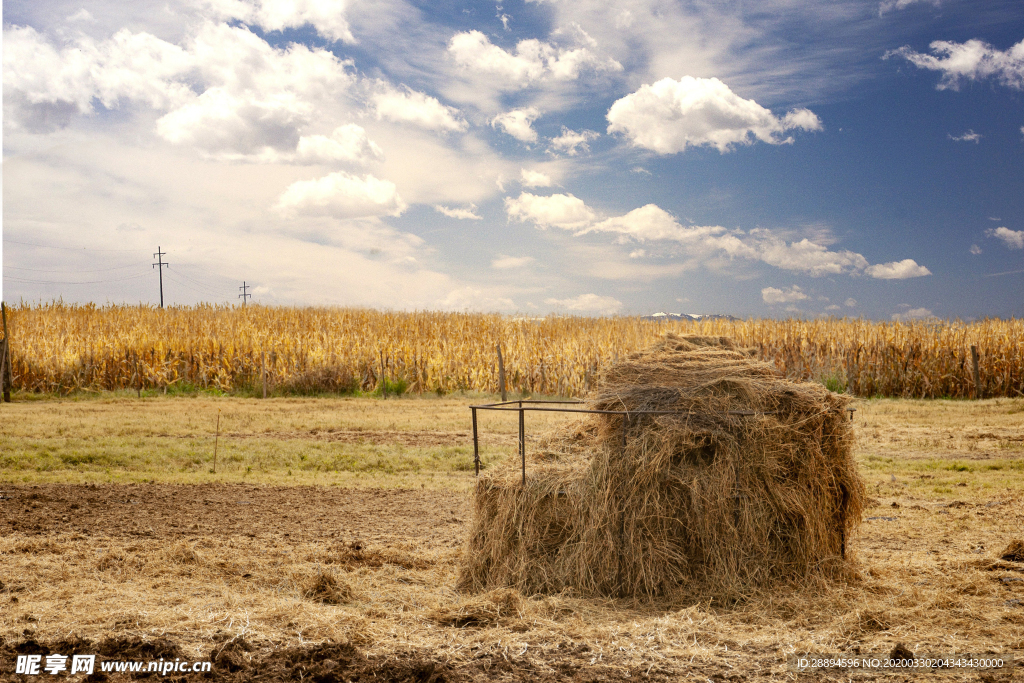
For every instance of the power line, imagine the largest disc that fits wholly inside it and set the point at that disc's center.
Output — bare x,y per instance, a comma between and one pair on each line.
64,270
245,292
50,246
65,282
201,290
196,282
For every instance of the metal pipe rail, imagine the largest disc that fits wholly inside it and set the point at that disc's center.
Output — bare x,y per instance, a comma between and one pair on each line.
519,407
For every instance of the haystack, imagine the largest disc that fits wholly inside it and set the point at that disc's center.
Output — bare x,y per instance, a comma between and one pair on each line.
708,501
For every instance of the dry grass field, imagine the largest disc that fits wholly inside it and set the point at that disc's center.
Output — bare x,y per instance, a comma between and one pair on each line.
326,547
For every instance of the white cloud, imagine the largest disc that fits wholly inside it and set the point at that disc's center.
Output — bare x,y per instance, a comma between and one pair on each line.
670,115
228,126
532,61
889,5
326,16
462,214
774,295
48,82
969,136
975,249
347,143
419,109
851,302
652,223
833,307
913,314
517,123
897,270
969,61
558,210
256,97
341,195
806,256
572,142
535,179
471,298
588,303
1014,239
225,91
82,15
506,262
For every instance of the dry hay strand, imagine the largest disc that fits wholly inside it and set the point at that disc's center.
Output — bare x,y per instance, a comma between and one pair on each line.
491,608
704,503
324,587
1014,552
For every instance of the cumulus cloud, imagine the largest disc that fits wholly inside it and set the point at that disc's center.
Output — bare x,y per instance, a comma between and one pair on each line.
471,298
651,223
225,91
670,115
571,142
255,98
897,270
851,302
518,123
503,262
969,136
558,210
419,109
833,307
913,314
969,61
341,195
326,16
462,214
588,303
126,67
347,143
774,295
975,249
1014,239
225,125
532,61
535,179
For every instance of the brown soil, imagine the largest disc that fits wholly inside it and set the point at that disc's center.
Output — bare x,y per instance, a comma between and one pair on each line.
227,510
354,585
240,662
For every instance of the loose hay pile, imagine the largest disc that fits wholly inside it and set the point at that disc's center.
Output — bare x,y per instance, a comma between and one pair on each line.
709,503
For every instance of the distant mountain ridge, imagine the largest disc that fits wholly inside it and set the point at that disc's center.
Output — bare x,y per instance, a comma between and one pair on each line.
662,316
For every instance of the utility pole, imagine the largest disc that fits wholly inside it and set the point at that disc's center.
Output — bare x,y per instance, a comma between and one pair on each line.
245,292
160,265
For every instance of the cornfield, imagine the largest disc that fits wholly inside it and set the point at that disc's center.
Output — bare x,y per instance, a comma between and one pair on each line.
61,348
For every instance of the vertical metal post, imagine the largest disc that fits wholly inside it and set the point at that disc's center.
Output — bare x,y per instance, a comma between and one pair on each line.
476,445
522,439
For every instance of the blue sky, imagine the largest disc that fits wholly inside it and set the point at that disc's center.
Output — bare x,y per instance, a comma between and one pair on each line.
780,158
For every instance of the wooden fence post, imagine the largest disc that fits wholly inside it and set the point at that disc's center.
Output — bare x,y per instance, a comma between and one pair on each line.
6,357
501,376
383,377
3,364
977,375
263,371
